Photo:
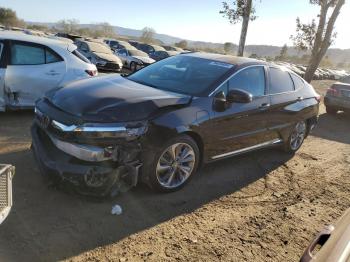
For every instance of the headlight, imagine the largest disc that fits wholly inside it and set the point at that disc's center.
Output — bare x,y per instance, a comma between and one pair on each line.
130,130
101,61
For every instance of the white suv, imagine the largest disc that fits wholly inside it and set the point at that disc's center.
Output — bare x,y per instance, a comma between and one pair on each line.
30,66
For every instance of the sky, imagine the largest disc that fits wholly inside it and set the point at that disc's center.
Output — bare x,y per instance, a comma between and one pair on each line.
188,19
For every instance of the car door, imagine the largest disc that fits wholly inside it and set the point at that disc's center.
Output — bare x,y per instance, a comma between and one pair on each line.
242,126
2,76
32,70
284,99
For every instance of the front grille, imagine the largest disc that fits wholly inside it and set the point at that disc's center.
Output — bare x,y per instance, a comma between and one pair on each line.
6,174
112,66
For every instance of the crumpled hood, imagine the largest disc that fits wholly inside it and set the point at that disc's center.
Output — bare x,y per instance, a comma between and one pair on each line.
113,99
108,57
144,59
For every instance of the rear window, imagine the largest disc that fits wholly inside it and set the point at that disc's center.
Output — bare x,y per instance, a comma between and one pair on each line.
80,56
280,81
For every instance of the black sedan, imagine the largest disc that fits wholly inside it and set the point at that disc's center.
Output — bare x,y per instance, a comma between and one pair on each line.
161,123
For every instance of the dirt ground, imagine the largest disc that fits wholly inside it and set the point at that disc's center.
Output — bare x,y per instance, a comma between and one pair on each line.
262,206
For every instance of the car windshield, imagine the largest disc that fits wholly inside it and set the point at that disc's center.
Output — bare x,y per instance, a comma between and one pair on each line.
182,74
99,48
137,53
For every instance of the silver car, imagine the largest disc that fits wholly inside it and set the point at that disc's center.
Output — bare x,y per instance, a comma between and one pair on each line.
134,59
100,55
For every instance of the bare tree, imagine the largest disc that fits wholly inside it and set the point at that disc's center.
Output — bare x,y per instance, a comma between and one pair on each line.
148,34
318,38
68,26
241,10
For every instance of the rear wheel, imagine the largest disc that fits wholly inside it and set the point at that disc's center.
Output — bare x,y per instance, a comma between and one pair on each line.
174,165
296,138
331,110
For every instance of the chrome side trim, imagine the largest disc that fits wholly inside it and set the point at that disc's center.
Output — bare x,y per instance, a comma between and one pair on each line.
63,127
82,152
243,150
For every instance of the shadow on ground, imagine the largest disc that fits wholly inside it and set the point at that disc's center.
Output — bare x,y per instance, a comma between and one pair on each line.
46,224
334,127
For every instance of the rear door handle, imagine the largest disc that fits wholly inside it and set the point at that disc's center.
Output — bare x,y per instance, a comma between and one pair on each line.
52,73
264,106
300,98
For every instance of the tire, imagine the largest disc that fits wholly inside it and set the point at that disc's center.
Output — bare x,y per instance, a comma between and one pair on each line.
166,174
133,67
331,110
296,137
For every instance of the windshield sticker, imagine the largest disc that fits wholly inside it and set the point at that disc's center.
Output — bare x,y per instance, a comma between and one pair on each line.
221,64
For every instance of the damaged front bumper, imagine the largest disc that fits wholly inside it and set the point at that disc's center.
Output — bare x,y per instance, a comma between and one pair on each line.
93,170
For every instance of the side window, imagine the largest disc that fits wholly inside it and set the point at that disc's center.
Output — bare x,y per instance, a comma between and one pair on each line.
280,81
122,52
251,80
52,57
298,82
27,55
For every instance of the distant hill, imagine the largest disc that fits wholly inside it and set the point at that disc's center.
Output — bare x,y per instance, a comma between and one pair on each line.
336,55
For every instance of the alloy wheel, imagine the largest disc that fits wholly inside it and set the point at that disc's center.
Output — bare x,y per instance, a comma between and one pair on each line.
175,165
298,135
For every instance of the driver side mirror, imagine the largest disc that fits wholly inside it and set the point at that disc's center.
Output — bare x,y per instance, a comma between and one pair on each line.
239,96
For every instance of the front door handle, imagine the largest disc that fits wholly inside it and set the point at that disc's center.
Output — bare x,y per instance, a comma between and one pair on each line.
300,98
264,106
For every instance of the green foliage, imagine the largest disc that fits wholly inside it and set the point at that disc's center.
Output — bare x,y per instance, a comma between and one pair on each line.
305,35
148,34
236,11
283,54
8,18
228,47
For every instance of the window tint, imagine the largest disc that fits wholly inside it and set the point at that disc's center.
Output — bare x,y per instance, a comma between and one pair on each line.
122,52
52,57
298,82
1,48
280,81
84,47
27,55
251,80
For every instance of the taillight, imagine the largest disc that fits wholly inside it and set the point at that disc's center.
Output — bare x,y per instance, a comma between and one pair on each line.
333,92
91,72
318,98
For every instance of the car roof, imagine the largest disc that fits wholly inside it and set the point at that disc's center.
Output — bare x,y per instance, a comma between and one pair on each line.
229,59
19,36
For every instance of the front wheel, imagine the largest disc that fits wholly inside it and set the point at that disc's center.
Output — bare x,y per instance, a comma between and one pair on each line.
174,165
296,137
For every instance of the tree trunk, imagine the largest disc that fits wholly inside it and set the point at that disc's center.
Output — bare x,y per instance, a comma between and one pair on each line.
322,44
244,29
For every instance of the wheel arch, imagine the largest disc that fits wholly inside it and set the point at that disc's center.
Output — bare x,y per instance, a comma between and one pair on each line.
199,141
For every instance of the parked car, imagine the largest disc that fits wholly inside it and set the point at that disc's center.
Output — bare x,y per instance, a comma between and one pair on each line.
134,59
337,98
159,124
100,55
31,66
6,174
333,243
148,48
173,48
118,44
160,55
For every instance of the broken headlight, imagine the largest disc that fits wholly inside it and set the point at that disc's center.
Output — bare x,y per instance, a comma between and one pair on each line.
129,130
